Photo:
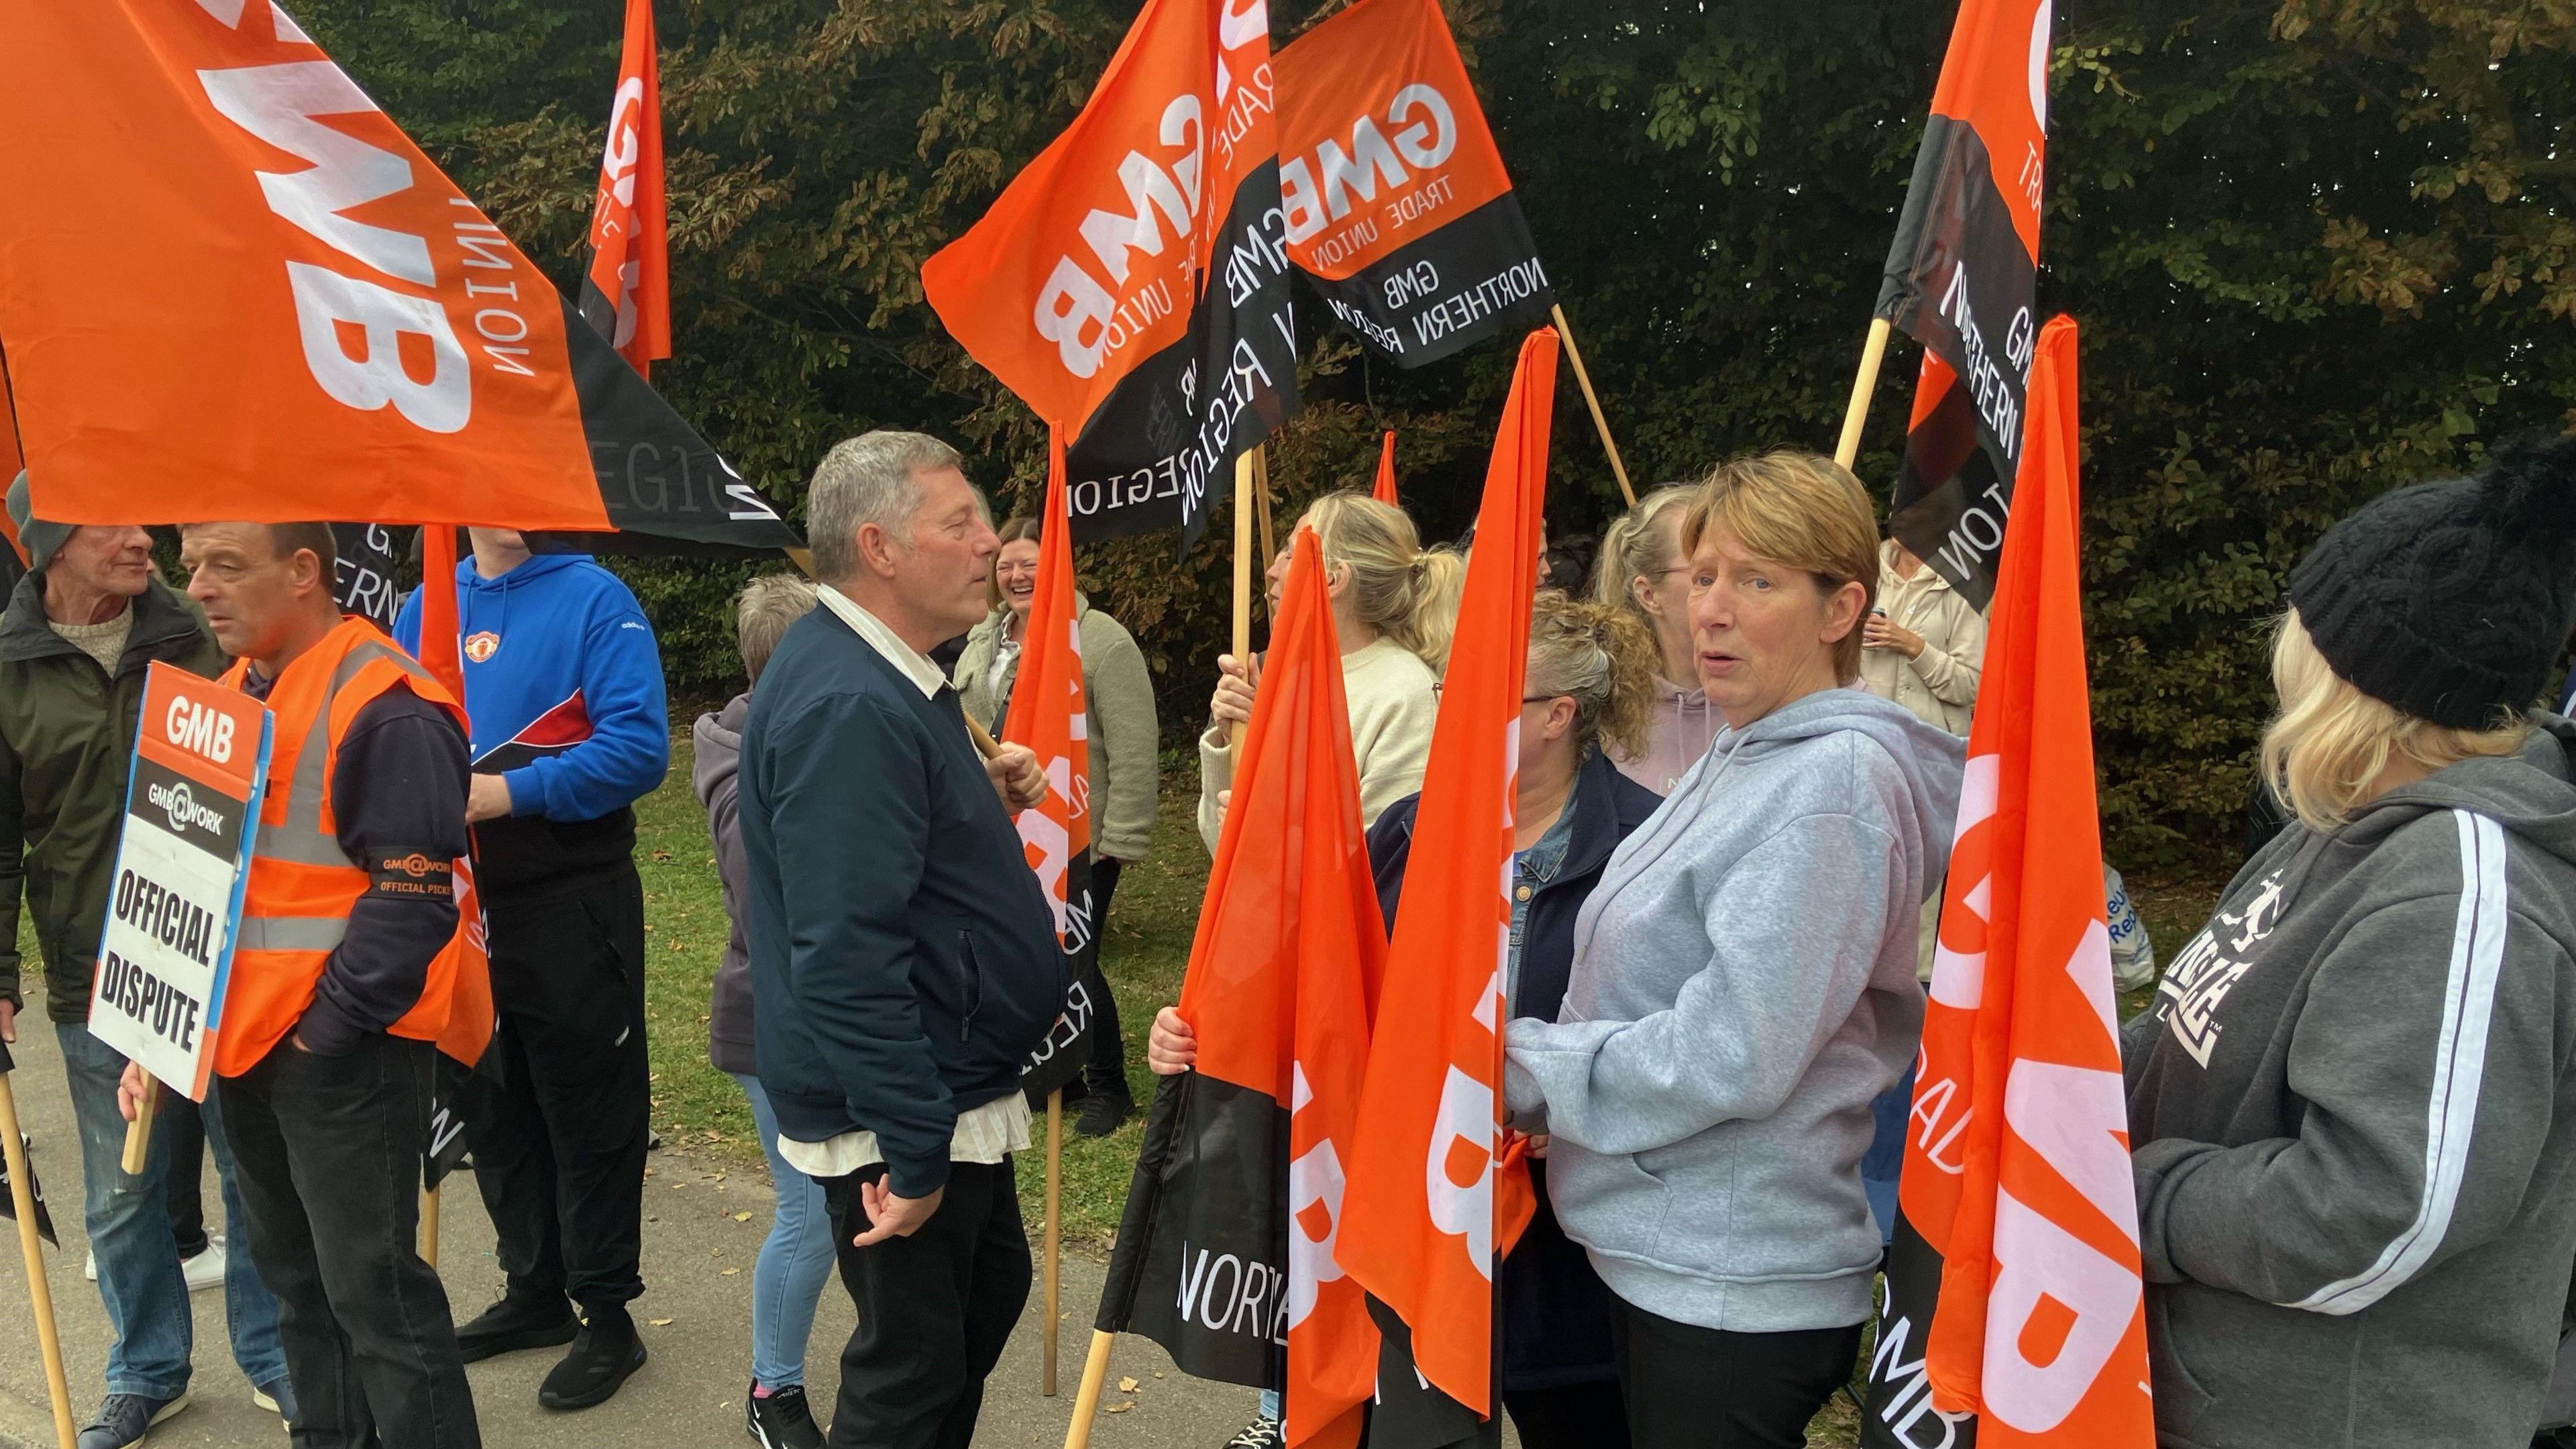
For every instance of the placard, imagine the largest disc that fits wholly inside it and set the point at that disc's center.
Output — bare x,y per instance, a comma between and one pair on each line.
182,866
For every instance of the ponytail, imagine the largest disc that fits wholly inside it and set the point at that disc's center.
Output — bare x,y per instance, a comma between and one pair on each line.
1602,657
1406,593
1638,546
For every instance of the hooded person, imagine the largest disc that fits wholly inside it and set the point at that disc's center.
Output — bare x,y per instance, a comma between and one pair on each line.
1743,984
563,683
796,1257
2352,1113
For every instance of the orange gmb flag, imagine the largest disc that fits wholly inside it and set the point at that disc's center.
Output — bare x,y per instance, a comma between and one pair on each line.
1435,1198
233,288
1384,490
1960,279
1399,209
2017,1214
1131,284
1228,1251
1051,716
626,288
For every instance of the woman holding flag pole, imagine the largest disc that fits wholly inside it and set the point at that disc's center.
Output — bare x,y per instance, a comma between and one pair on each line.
1743,985
1590,688
1393,605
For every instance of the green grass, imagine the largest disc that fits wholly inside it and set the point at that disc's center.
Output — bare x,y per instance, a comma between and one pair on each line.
700,1109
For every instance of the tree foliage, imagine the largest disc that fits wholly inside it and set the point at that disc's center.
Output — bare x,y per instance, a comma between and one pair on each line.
2318,247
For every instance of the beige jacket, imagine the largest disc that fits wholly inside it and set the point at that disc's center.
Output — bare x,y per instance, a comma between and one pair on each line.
1940,687
1394,698
1126,737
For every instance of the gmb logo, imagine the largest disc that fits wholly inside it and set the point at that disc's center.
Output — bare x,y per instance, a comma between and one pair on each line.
183,809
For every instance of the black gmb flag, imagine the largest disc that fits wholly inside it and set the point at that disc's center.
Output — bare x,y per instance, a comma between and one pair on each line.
1399,210
1961,278
370,570
1131,283
1226,1255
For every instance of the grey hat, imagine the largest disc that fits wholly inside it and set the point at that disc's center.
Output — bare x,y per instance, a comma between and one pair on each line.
40,540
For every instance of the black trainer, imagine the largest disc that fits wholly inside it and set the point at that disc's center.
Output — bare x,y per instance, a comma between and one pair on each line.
1259,1434
1103,1113
515,1323
782,1421
604,1353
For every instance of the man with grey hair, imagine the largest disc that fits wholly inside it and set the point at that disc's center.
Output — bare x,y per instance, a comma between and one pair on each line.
903,956
80,632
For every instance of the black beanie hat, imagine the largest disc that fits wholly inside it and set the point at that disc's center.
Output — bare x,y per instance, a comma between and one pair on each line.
2451,599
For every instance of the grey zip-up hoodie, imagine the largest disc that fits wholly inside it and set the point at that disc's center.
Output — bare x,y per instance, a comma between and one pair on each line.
1743,986
2353,1125
718,772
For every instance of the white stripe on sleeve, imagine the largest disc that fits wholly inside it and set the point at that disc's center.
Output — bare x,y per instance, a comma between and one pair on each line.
2459,1070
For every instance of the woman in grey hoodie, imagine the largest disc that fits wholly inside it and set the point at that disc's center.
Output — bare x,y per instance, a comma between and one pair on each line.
2352,1109
796,1258
1743,984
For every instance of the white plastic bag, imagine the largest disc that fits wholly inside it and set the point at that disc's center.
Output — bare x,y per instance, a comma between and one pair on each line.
2133,956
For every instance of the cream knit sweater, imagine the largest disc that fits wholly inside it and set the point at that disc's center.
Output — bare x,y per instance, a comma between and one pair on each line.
1394,698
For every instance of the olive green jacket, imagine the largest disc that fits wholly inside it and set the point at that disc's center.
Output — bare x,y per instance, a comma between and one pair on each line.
1126,738
66,737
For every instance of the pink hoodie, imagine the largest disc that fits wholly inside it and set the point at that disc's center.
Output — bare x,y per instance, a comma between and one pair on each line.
1684,725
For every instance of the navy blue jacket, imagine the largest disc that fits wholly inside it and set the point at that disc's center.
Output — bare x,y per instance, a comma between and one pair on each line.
903,958
1556,1313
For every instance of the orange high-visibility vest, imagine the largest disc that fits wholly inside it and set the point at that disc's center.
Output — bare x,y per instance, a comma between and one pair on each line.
302,884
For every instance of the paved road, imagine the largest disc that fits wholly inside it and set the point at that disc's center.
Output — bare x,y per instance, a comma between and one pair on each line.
697,1259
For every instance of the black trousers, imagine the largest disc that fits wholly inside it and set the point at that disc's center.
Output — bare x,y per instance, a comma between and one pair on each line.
1107,1069
1704,1388
935,1310
559,1136
187,1134
1573,1416
328,1151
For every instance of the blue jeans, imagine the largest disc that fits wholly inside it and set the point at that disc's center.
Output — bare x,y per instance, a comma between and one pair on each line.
128,1219
795,1260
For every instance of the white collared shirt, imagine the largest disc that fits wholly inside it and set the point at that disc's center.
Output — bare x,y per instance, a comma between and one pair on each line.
983,1134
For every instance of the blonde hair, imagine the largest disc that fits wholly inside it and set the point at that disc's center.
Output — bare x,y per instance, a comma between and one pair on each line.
1636,547
1603,658
2330,740
1405,592
1802,510
762,613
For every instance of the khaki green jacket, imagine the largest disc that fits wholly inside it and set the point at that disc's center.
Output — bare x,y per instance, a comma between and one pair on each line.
66,740
1125,735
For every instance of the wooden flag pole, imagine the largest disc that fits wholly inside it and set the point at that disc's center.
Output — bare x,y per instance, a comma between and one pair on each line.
1261,490
1242,578
1086,1400
1872,353
1054,1240
429,1226
22,1196
1583,379
138,1133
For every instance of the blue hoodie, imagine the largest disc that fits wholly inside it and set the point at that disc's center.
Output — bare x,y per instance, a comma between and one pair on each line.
563,684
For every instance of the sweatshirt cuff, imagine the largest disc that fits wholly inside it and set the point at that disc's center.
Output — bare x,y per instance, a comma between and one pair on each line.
915,1177
527,791
327,1031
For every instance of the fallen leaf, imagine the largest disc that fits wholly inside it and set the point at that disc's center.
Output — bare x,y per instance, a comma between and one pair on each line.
659,1322
1128,1386
1121,1408
742,1217
729,1272
661,855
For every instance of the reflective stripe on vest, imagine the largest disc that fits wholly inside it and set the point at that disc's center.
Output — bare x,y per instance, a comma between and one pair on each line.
299,839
